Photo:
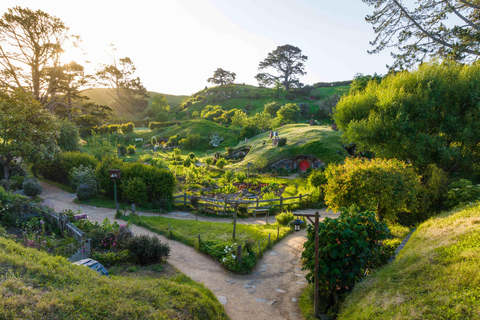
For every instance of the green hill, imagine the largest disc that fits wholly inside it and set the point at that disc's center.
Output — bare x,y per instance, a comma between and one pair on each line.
36,285
319,141
103,96
434,277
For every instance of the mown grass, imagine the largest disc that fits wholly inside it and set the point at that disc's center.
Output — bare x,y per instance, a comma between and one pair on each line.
434,277
35,285
318,141
187,231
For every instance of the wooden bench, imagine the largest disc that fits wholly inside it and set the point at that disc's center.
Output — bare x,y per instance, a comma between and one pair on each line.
255,211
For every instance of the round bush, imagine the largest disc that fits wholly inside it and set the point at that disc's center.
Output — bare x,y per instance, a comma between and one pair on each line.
285,218
32,187
148,250
85,192
136,191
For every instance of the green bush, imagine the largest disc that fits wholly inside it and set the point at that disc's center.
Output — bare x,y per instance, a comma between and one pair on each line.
135,191
32,187
131,149
111,258
148,250
83,175
85,192
240,177
282,142
461,192
221,163
285,218
58,169
101,173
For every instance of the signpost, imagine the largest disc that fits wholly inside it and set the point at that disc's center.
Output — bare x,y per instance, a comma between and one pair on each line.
114,175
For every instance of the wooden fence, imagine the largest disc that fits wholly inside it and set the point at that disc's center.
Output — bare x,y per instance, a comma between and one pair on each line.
220,205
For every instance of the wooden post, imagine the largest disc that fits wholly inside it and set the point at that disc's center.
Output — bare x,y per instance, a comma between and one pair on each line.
133,208
281,203
257,204
117,207
234,223
300,198
239,253
225,206
169,231
267,215
184,200
315,298
269,239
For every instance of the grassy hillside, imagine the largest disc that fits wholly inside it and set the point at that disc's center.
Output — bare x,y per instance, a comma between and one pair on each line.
434,277
35,285
318,141
102,96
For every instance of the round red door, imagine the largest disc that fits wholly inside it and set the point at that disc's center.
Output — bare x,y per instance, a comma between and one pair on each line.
304,165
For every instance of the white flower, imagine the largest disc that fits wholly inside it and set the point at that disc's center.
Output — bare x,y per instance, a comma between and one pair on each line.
233,256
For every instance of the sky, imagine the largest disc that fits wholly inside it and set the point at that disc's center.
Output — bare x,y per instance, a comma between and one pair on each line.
177,45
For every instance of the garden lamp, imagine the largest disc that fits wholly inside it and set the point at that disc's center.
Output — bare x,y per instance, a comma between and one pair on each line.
297,222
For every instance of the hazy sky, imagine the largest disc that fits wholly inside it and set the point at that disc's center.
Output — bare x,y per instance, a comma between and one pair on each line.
176,45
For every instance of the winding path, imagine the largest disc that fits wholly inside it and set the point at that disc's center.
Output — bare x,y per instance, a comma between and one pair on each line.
271,291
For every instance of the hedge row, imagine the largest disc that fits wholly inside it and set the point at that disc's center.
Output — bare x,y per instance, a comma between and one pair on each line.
107,129
157,125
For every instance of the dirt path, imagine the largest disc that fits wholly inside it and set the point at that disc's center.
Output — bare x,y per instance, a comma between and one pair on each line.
271,291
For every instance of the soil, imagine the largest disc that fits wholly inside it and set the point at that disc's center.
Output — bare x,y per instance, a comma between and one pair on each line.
271,291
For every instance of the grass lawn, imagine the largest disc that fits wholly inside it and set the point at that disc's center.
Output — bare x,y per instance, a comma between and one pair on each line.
214,234
36,285
434,277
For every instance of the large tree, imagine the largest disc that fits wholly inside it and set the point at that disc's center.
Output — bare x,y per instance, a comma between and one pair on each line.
31,43
27,130
420,31
288,62
130,94
428,116
222,77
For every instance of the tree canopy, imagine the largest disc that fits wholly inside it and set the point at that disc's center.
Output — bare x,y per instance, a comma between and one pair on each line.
31,43
443,28
384,186
427,116
288,62
27,130
222,77
130,94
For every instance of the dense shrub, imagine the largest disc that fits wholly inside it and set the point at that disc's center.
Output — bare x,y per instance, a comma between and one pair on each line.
135,191
131,149
85,192
69,136
462,192
317,178
349,246
61,166
285,218
157,125
221,163
101,173
83,175
240,177
32,187
111,258
148,250
282,142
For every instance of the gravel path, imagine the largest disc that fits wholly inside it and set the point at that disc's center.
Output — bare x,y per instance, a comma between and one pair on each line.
271,291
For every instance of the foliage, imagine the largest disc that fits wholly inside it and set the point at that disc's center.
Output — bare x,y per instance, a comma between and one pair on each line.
192,141
32,187
288,61
228,176
426,31
288,113
27,130
101,173
360,81
222,77
100,147
414,116
285,218
83,175
240,177
159,105
69,136
135,191
148,249
221,163
85,191
131,149
111,258
282,142
349,245
317,179
271,108
462,192
384,186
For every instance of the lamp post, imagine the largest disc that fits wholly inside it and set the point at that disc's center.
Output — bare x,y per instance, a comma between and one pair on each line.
248,174
315,223
114,175
297,223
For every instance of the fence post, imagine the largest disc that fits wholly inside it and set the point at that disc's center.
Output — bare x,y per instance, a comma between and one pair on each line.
239,253
133,208
117,206
235,222
169,231
267,215
225,206
257,203
269,239
300,198
184,200
281,203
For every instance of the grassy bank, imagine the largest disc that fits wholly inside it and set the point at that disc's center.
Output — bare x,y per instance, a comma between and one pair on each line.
35,285
434,277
